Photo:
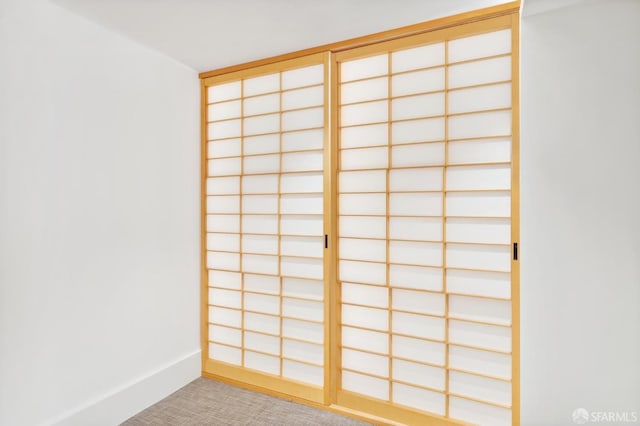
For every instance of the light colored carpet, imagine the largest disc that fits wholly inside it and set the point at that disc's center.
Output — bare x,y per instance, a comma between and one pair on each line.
207,402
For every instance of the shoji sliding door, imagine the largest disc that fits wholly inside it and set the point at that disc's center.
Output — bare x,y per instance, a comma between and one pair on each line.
426,203
265,226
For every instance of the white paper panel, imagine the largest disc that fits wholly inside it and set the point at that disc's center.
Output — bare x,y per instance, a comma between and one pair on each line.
491,204
480,335
418,82
302,161
418,301
262,164
365,385
263,84
362,226
222,260
307,289
418,204
224,166
363,181
223,223
266,363
415,228
262,342
302,268
360,294
418,325
262,104
223,204
418,57
302,309
363,204
225,354
303,119
302,182
477,413
362,272
223,297
370,135
497,123
418,350
415,253
422,399
372,318
418,277
260,224
304,76
261,283
264,184
303,140
430,129
223,92
480,98
262,303
481,388
367,363
482,257
225,279
417,106
365,90
301,225
479,177
361,249
365,158
224,129
259,204
478,46
303,98
483,362
302,330
303,351
427,179
302,246
485,310
373,341
491,284
261,124
223,148
418,155
480,72
301,203
223,185
303,372
220,334
480,151
370,112
365,67
260,264
264,323
224,110
479,230
419,374
227,242
224,316
263,144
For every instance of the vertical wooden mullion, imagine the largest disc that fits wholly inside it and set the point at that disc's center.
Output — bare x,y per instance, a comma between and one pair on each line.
279,221
444,226
387,219
241,269
204,276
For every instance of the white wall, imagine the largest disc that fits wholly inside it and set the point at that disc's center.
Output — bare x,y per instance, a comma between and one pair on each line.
580,150
99,178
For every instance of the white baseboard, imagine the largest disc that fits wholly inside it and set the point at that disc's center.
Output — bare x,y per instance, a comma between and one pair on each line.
117,406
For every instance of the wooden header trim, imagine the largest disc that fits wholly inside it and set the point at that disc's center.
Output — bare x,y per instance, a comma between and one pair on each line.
423,27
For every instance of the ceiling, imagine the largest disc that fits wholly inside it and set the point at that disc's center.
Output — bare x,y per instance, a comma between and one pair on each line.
210,34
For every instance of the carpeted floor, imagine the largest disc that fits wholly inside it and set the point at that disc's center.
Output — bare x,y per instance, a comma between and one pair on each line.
206,402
